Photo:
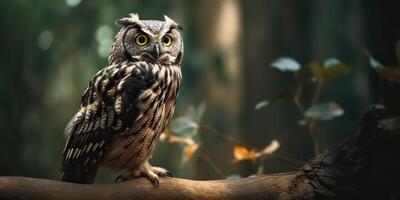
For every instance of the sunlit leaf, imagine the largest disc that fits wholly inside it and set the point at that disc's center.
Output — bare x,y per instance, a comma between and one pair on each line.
261,104
184,126
189,150
163,136
242,153
190,146
271,148
171,138
325,111
233,177
286,64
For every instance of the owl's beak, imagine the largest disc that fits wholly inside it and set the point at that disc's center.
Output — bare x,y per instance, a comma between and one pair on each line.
155,52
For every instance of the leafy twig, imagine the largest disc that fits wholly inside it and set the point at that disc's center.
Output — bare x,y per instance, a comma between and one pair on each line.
297,95
238,142
312,123
317,92
224,136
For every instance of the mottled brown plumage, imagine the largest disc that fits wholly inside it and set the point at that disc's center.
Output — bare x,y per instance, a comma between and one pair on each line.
128,104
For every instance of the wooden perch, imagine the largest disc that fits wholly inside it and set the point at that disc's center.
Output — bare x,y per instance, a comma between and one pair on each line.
366,166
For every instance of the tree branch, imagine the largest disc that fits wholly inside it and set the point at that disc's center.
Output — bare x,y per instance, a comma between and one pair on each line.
366,166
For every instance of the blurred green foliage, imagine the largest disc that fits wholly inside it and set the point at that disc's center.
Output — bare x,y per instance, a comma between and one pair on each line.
51,49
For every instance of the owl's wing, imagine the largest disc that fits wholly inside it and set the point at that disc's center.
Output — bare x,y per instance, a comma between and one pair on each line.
107,108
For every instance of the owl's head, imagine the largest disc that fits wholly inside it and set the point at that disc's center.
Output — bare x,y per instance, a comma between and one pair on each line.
147,40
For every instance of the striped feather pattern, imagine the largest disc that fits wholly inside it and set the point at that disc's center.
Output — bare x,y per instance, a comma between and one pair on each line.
123,111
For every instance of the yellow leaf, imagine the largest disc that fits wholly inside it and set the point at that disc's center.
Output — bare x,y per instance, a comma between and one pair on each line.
317,70
190,145
189,150
337,70
242,153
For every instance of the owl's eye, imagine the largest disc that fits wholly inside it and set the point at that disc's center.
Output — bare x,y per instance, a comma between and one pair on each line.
141,39
166,40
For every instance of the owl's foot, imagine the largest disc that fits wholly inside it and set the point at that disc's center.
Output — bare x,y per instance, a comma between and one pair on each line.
161,171
152,173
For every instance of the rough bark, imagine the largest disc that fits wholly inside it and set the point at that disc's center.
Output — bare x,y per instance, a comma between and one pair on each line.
365,166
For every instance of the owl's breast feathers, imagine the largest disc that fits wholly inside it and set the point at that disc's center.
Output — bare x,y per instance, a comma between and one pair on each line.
123,111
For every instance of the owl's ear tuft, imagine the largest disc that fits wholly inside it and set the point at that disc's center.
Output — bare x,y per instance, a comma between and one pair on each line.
172,23
179,27
133,19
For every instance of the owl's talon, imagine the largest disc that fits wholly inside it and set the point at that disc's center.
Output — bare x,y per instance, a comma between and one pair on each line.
152,177
118,179
169,174
145,170
122,178
156,183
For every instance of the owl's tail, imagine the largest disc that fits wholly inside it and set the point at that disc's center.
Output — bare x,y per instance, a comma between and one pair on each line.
86,176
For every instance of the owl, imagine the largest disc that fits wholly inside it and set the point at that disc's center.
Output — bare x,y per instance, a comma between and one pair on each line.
127,105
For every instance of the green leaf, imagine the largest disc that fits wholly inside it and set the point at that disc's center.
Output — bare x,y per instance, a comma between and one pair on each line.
336,70
375,63
286,64
398,50
184,126
331,61
333,68
372,61
324,111
316,70
391,74
261,104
